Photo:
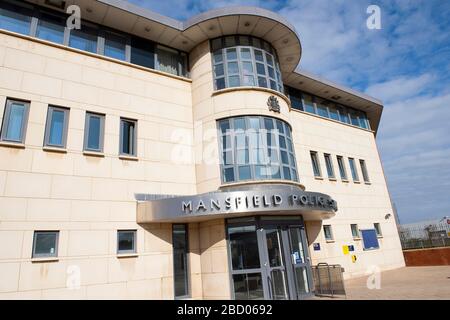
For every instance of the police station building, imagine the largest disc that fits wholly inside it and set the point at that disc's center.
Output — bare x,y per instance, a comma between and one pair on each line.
143,157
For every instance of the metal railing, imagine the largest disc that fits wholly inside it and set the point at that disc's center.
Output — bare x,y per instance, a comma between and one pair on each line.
328,279
426,236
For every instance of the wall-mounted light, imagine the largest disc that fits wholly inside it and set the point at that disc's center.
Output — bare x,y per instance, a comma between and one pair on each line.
387,216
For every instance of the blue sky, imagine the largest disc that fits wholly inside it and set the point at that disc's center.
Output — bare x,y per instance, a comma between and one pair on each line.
406,64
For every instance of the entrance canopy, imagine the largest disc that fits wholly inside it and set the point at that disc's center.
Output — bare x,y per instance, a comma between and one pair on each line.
239,201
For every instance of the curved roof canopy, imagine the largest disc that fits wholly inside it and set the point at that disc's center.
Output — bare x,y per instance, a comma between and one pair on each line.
186,35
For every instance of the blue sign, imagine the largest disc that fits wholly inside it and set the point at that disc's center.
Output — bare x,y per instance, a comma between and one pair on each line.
316,246
351,248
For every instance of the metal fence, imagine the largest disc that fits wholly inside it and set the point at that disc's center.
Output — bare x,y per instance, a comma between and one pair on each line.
328,279
425,236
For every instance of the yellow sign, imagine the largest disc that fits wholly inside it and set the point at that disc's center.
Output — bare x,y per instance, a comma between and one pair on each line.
353,258
345,249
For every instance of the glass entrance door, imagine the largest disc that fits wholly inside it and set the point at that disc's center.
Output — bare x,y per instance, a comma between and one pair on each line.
275,264
269,259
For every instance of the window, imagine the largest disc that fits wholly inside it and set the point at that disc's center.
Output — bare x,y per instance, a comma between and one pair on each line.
370,239
167,60
94,129
56,127
378,229
328,233
128,137
126,241
14,18
45,244
258,148
115,46
355,231
364,171
51,28
15,121
308,104
84,39
315,164
245,61
341,166
329,165
355,176
142,52
322,109
180,260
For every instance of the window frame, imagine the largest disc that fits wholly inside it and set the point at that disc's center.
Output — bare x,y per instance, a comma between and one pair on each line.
365,174
263,130
187,270
377,227
315,162
6,119
329,166
101,131
126,252
358,233
325,234
50,110
134,142
34,255
353,170
342,171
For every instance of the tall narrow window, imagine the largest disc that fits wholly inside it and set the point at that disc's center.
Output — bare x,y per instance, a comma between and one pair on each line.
45,244
94,132
329,164
15,121
355,231
353,170
342,170
142,52
328,233
180,260
56,127
364,171
115,46
377,228
126,241
308,104
128,139
315,164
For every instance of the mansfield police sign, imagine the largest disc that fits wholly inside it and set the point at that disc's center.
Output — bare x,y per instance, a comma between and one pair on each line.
239,201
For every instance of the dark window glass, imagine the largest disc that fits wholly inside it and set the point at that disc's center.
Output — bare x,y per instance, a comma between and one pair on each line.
248,286
45,244
94,132
126,241
128,137
355,230
142,52
333,113
115,46
15,19
328,232
51,28
243,248
56,128
329,165
180,260
315,164
378,229
15,121
364,170
322,110
342,170
355,176
308,104
84,39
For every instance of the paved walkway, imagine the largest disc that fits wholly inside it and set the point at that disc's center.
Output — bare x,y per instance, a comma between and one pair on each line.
423,283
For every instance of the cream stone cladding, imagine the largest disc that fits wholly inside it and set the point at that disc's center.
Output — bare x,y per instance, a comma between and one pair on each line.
358,203
89,198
